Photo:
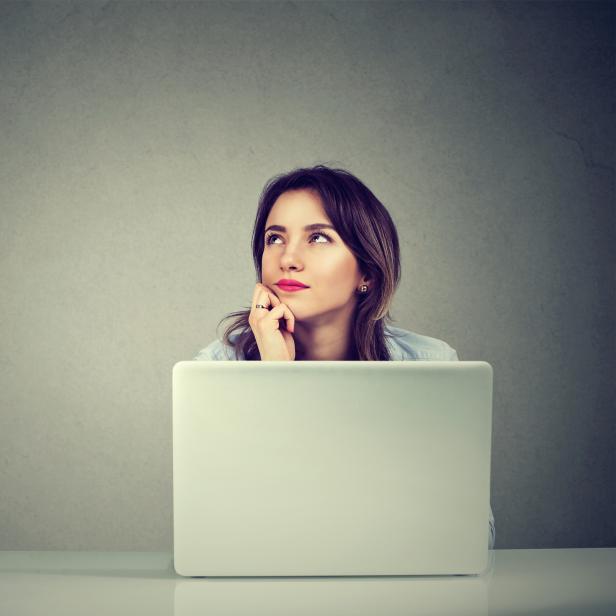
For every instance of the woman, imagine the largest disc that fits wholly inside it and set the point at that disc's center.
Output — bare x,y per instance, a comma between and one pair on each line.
327,259
350,265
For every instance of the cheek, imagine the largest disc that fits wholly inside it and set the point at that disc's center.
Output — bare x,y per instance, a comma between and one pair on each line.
339,269
266,261
270,268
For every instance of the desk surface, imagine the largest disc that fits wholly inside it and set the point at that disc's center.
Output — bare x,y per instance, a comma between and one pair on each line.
544,582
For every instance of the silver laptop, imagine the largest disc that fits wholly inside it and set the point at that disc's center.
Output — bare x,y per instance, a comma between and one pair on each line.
331,468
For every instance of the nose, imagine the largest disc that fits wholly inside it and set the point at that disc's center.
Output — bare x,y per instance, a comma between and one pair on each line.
291,259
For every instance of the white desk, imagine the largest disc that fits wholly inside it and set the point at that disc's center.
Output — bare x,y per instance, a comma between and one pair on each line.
542,582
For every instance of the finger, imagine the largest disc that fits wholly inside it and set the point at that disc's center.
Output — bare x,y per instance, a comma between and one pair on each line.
266,298
273,299
255,295
262,297
275,302
282,311
288,315
290,319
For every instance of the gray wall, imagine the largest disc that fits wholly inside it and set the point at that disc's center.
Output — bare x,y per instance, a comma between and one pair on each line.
136,138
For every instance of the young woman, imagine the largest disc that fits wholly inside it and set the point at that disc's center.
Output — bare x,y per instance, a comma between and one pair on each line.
322,231
327,262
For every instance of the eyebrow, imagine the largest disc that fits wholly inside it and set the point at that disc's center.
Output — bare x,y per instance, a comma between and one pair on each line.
312,227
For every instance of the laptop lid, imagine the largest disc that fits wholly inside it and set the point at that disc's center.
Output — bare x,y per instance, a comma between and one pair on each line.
331,468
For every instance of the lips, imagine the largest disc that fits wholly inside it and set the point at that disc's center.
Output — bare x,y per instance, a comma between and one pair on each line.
287,283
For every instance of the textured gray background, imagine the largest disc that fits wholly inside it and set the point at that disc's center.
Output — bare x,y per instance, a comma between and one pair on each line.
136,138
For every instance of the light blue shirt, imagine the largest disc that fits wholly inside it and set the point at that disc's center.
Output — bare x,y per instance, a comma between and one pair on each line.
402,344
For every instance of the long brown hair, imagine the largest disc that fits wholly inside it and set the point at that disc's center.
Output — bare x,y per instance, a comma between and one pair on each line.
366,228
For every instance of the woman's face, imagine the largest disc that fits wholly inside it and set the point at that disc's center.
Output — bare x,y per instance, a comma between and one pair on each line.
316,257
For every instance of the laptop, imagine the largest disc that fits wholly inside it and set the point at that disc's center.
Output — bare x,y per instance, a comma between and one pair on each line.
331,468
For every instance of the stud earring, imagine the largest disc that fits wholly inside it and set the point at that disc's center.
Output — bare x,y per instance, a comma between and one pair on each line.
363,288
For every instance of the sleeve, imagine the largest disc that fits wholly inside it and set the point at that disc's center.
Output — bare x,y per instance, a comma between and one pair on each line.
208,353
451,354
217,350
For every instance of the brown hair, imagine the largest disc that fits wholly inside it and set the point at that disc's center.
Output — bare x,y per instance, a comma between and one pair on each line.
366,228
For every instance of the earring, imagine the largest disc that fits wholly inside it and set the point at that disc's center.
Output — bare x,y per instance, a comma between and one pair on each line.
363,288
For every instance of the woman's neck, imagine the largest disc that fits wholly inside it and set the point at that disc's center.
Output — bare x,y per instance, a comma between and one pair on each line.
325,343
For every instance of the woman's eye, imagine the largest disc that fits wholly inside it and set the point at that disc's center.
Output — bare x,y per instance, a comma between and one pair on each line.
321,234
269,238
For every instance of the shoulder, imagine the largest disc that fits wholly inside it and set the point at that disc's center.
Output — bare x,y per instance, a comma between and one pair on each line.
408,345
403,345
218,351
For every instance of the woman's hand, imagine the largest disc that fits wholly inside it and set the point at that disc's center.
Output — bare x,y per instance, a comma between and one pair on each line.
274,342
